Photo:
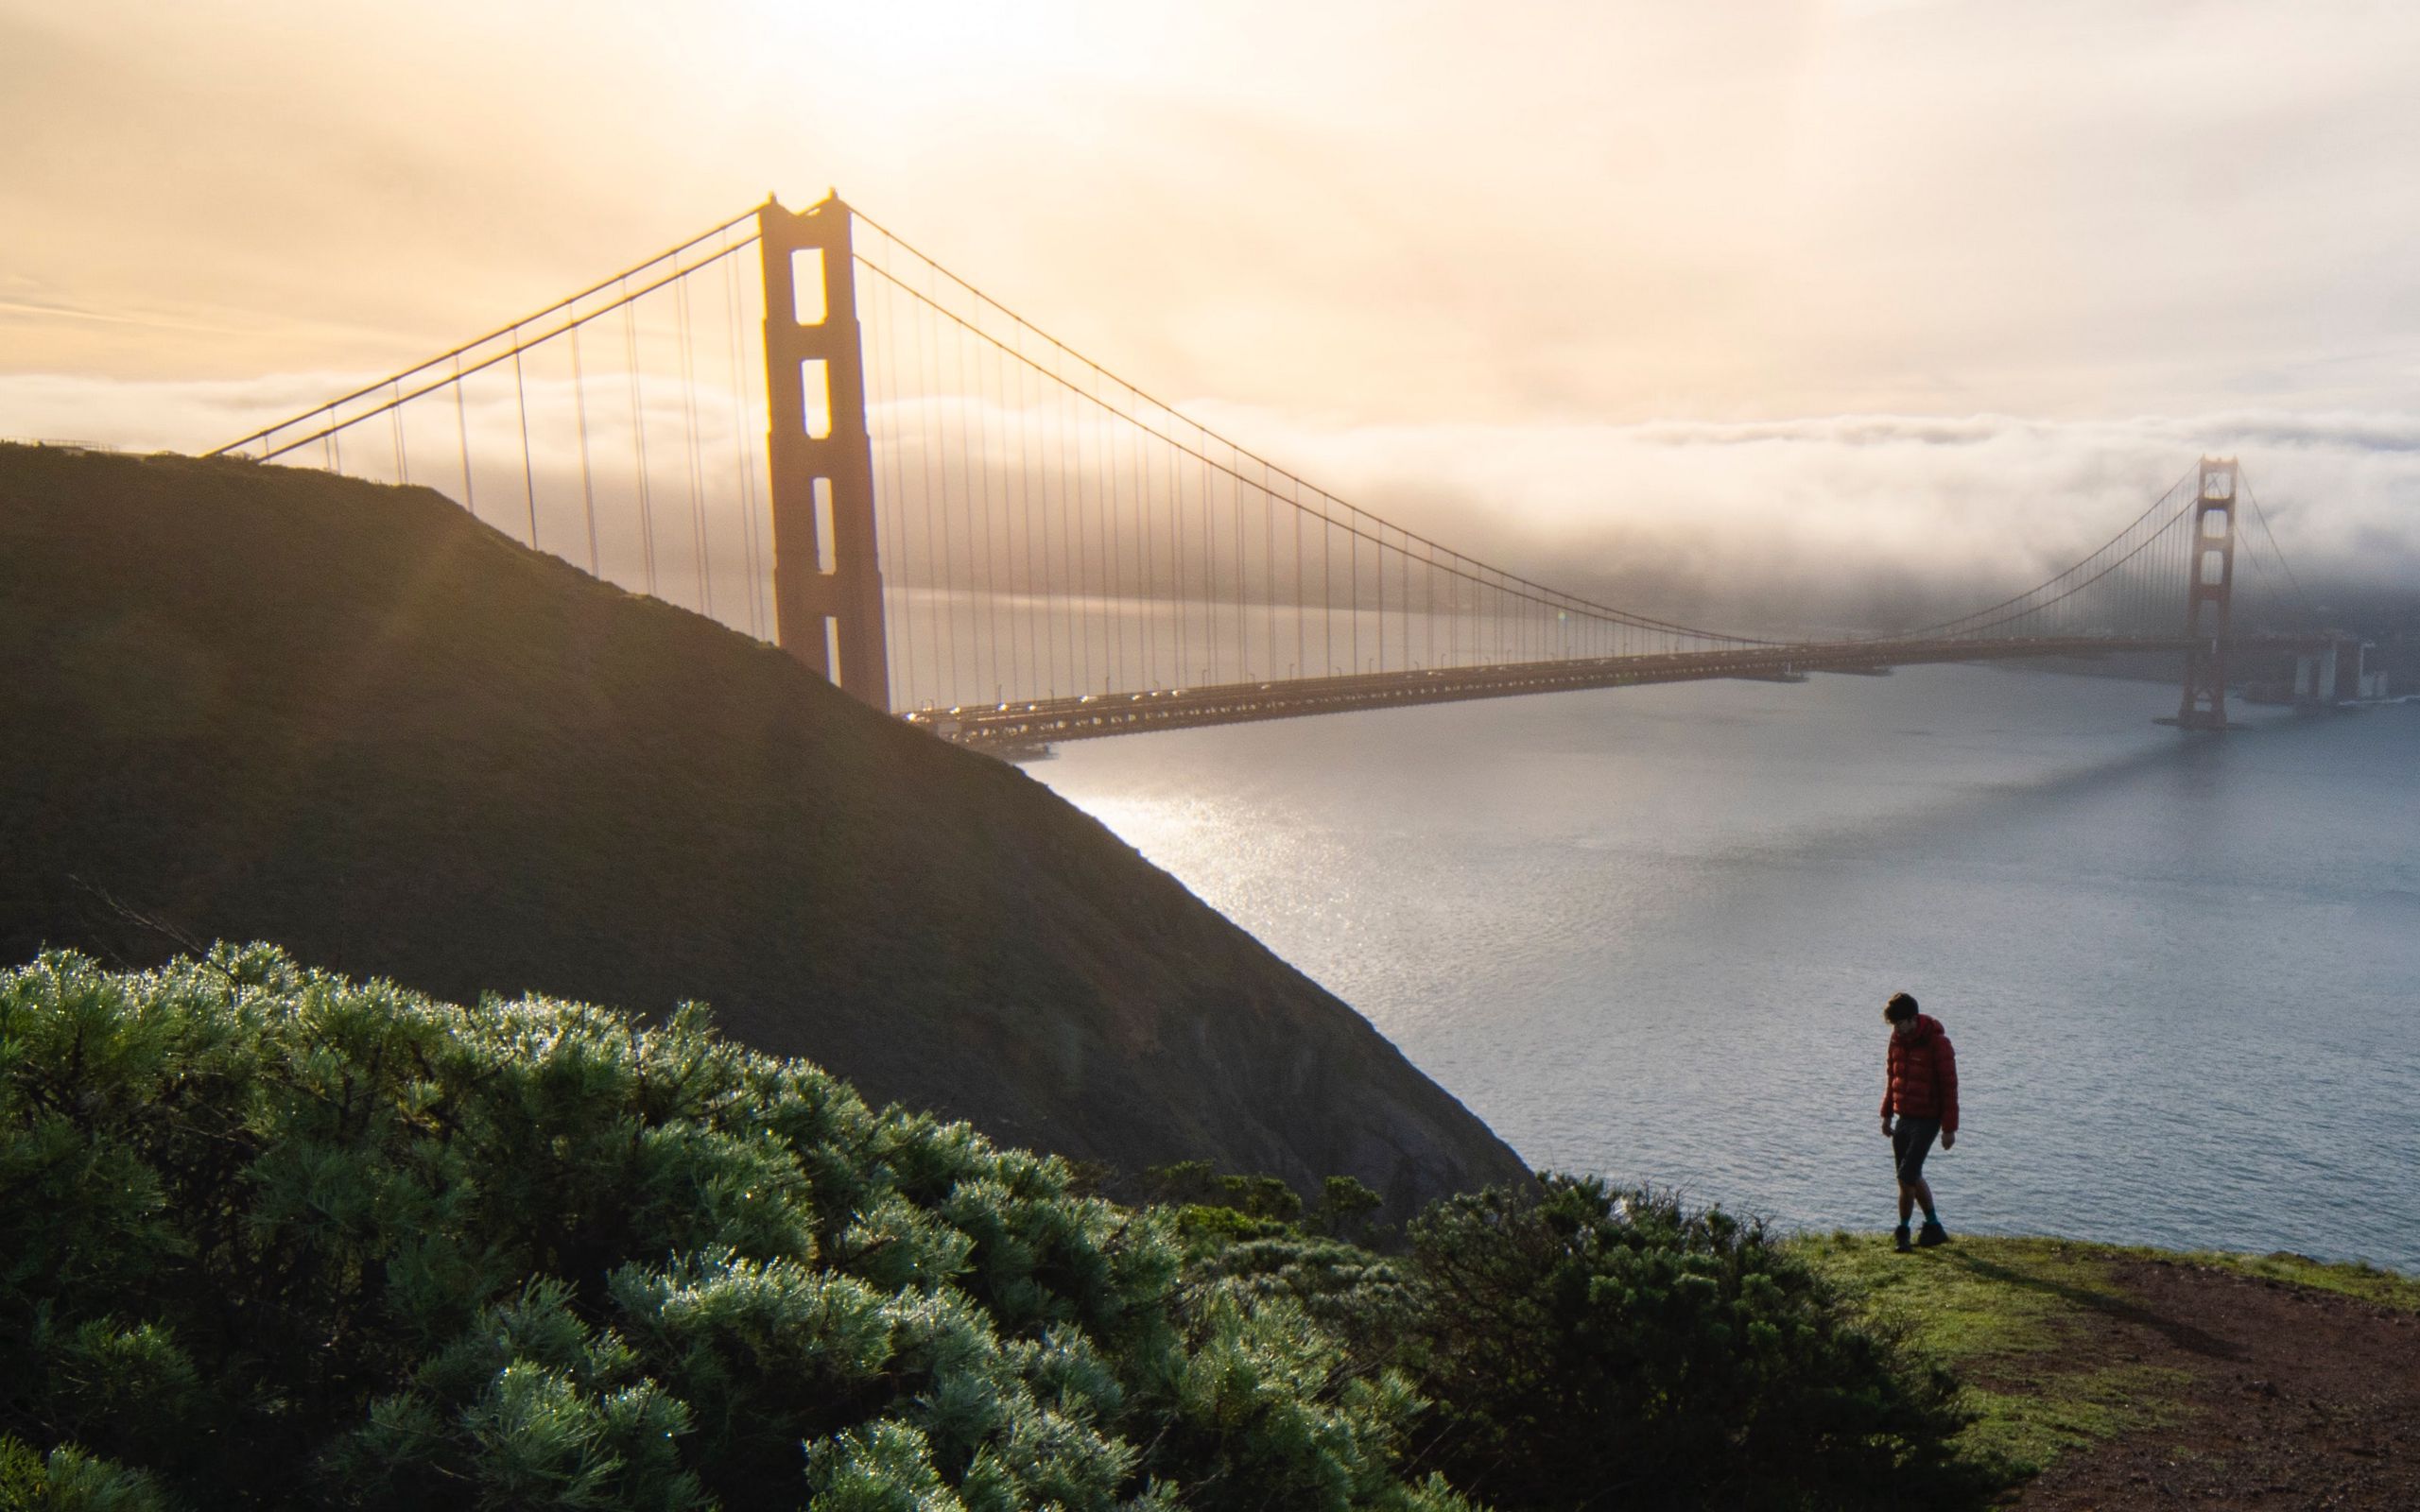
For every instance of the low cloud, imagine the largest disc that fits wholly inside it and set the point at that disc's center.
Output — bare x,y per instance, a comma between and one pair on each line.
1845,521
1854,518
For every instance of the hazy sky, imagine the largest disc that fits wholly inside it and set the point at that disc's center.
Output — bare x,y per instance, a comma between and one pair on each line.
1434,247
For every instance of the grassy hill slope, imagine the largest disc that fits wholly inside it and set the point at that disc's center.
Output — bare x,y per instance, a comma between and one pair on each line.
258,702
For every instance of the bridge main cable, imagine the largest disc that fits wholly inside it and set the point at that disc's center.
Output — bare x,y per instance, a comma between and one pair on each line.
394,381
1474,571
1979,621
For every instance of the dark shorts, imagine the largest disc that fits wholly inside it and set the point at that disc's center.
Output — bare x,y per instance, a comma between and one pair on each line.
1910,1141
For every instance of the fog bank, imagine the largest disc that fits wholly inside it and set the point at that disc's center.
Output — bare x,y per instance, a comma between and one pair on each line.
1849,521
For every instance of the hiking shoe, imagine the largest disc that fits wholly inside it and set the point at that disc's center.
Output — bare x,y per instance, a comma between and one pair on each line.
1899,1239
1931,1234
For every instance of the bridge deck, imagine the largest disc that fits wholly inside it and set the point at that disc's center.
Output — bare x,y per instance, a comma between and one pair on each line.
1044,721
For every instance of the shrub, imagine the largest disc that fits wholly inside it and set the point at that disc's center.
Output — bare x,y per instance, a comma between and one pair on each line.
276,1238
1584,1346
1215,1211
68,1479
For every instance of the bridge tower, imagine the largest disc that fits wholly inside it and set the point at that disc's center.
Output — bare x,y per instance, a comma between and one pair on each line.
2209,598
827,577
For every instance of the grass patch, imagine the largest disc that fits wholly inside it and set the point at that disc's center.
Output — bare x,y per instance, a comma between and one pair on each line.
2033,1421
2004,1314
2369,1284
1976,1299
2008,1316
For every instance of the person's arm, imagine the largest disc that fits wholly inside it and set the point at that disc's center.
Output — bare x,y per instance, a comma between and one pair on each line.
1944,1071
1886,1090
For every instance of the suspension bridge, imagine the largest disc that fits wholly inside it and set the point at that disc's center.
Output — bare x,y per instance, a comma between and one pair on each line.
840,446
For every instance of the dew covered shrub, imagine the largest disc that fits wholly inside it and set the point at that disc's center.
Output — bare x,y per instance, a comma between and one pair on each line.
1583,1346
272,1238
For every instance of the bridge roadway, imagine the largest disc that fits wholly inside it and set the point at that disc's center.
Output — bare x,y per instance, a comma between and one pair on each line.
1009,727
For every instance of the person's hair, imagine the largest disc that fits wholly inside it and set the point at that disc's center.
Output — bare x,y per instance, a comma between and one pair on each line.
1900,1009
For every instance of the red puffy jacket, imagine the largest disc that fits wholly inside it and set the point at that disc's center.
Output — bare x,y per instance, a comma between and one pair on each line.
1921,1079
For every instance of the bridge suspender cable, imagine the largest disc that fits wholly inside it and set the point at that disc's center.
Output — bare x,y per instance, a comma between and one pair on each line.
1508,585
454,353
1527,589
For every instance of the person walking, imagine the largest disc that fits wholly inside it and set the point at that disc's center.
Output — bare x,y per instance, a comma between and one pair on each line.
1920,1093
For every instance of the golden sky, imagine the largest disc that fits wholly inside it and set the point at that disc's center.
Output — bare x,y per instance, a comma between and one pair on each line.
1616,210
1338,215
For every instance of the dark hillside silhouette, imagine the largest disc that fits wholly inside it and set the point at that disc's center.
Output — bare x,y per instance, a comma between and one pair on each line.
252,702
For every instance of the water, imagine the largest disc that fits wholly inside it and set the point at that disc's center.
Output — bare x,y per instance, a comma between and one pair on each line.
1648,932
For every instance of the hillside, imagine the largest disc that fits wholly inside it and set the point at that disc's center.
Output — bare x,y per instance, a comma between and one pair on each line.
249,703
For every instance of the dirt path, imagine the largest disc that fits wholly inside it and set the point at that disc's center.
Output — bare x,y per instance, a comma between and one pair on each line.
2299,1398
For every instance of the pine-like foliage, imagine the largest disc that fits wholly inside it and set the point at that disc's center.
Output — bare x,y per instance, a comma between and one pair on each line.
272,1238
1580,1346
1585,1346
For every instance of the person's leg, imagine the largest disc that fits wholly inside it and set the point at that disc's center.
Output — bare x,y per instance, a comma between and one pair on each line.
1911,1142
1904,1149
1912,1174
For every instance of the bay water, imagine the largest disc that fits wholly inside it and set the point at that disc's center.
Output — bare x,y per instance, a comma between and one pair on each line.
1648,933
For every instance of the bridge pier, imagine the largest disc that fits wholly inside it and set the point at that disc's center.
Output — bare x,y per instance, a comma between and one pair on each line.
2209,598
827,573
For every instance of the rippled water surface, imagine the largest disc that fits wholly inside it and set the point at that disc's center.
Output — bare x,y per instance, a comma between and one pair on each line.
1648,932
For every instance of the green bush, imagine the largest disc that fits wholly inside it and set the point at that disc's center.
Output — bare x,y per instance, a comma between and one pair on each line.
1215,1211
1583,1346
69,1480
276,1238
1589,1346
